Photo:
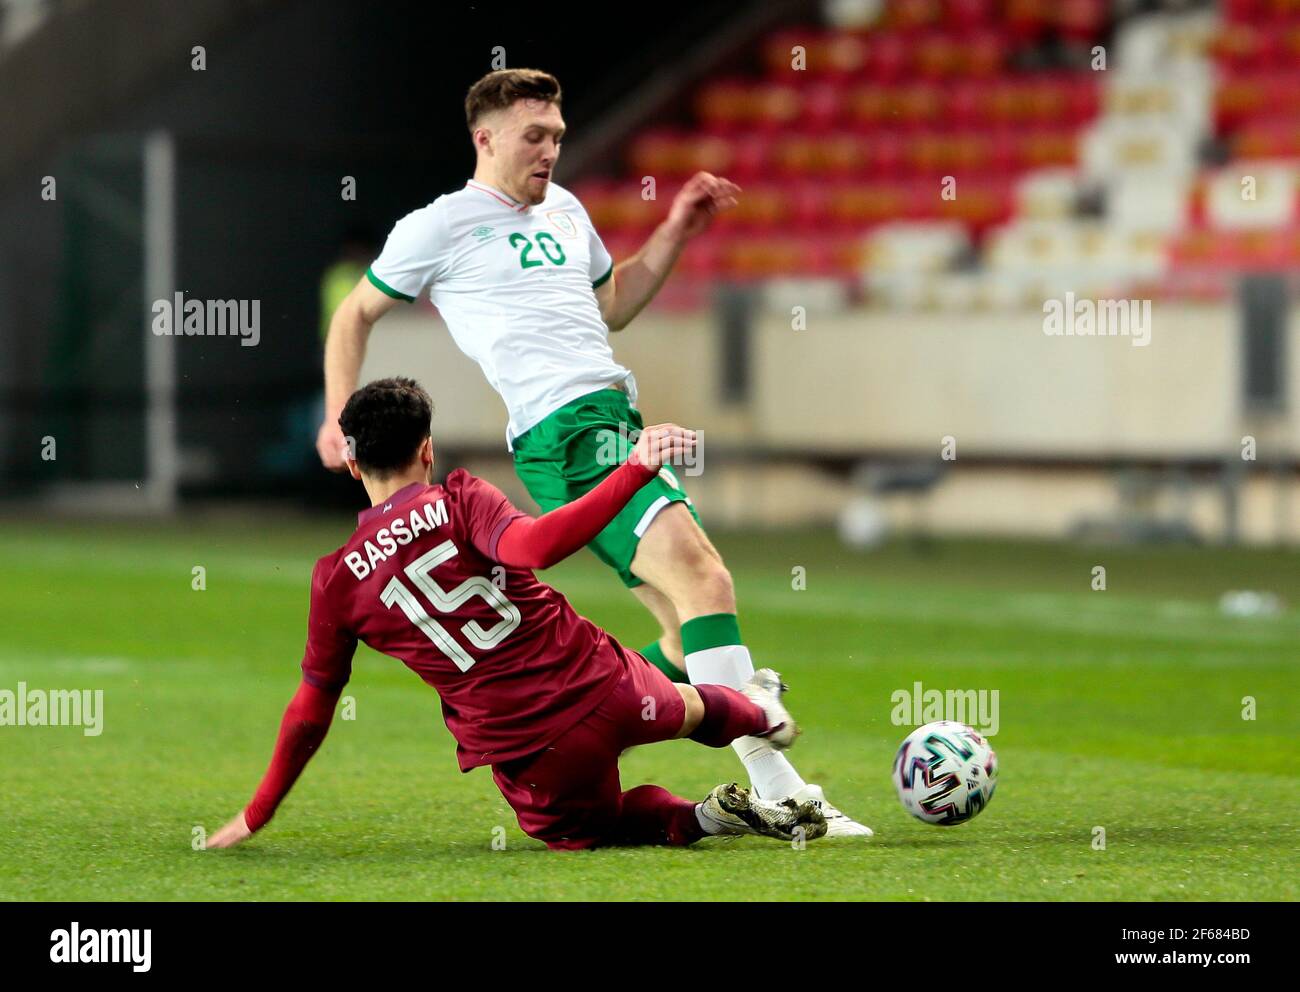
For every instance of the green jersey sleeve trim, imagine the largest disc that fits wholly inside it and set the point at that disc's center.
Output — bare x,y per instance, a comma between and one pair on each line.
386,289
603,279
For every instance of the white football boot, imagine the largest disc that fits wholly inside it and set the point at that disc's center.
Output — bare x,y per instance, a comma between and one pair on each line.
764,689
837,823
731,809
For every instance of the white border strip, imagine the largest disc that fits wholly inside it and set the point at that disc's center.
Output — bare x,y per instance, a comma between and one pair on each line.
648,517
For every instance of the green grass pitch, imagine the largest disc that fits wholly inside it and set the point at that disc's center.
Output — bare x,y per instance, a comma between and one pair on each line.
1120,709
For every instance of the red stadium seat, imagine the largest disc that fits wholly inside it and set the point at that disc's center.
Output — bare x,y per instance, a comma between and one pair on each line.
984,53
1242,10
794,155
823,107
965,15
886,153
656,153
937,55
808,208
868,132
1267,138
1026,20
1083,99
763,207
911,15
869,106
775,106
841,56
727,104
919,104
1042,148
888,57
978,204
1081,20
751,157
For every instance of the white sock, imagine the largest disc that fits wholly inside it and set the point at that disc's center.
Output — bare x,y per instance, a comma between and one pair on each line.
770,772
729,665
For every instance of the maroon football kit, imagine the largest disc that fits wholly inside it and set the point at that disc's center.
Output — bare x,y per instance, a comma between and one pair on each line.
440,578
420,580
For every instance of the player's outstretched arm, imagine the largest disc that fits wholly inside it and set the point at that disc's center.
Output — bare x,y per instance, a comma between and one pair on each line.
540,542
636,280
345,350
302,730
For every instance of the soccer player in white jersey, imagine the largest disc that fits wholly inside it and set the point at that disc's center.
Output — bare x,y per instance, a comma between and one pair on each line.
528,291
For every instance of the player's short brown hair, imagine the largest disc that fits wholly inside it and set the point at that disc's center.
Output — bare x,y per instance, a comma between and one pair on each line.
386,421
500,89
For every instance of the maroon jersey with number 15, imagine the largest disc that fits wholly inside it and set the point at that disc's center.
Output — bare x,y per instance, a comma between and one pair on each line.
514,664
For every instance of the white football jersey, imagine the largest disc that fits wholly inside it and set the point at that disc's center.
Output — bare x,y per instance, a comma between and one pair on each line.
516,286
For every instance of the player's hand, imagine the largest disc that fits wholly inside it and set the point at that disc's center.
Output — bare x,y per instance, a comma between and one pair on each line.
662,445
229,835
695,206
331,445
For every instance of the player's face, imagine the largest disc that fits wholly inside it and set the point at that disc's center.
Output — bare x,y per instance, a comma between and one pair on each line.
526,147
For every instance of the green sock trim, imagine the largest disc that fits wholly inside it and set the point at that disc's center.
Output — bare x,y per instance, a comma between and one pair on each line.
655,655
714,630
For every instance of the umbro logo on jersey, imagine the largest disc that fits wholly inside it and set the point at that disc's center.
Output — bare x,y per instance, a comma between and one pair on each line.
482,233
563,222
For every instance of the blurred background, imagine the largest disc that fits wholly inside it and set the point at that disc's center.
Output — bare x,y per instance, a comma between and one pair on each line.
862,341
913,483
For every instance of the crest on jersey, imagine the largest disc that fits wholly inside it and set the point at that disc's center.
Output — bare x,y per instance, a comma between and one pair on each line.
563,222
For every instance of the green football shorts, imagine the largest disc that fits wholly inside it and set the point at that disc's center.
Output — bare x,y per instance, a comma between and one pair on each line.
573,449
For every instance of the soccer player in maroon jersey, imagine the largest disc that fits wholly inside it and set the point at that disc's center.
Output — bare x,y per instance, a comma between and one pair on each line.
529,687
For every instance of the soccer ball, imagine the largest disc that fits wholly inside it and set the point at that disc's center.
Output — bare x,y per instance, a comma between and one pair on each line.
945,773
